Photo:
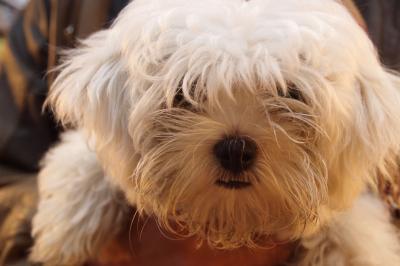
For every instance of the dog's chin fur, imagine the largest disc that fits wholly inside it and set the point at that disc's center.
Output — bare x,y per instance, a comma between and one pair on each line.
235,64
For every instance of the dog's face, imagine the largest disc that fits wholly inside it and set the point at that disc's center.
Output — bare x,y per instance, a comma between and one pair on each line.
236,121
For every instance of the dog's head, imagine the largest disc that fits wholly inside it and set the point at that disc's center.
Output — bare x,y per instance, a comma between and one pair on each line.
234,120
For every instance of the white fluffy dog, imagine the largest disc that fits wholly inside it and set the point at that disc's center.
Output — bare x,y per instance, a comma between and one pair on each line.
239,122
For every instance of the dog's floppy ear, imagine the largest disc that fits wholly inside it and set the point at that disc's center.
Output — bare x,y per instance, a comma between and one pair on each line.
378,122
368,147
90,91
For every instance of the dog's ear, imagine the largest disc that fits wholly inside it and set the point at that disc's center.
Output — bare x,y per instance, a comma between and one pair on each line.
90,91
368,146
378,121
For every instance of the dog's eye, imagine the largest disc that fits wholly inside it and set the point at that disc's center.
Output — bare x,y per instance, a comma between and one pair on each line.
292,93
295,94
180,101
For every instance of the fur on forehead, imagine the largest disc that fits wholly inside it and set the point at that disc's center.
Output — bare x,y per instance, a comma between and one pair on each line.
219,45
254,43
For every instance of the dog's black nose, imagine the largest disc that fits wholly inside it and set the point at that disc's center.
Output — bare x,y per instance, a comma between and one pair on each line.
235,153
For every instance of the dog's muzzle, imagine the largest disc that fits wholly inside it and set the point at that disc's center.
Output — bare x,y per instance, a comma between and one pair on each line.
235,154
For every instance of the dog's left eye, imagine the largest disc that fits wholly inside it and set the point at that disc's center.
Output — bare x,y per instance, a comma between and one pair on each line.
292,93
180,101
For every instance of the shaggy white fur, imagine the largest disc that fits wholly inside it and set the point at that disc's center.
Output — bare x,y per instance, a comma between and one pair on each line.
155,94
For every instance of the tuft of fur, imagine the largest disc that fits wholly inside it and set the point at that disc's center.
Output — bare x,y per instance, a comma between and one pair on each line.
234,65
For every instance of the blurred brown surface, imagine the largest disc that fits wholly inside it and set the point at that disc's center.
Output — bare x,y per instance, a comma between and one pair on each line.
149,247
18,197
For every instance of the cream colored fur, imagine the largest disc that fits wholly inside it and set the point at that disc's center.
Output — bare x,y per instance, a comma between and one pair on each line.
235,63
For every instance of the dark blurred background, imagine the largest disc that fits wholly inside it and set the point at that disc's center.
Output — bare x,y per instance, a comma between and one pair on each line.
8,10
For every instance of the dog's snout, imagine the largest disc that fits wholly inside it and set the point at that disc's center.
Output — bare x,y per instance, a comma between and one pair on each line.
235,153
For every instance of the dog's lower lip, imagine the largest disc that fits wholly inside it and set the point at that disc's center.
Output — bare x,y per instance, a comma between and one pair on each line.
232,184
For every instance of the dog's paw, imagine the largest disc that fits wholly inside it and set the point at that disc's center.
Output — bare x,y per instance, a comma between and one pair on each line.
322,250
362,236
78,209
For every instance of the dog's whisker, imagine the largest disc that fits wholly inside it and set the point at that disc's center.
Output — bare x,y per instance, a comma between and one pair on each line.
130,240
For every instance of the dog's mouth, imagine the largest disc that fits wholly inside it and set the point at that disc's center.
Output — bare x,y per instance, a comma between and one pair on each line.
233,183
